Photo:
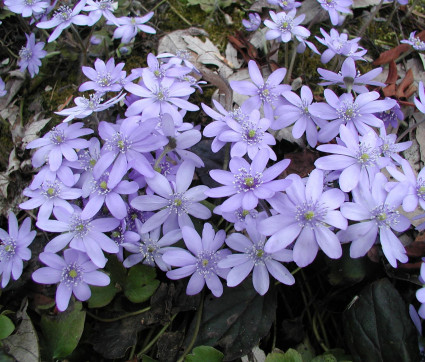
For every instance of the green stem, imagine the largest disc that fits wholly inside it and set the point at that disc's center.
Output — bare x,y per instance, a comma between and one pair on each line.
109,320
291,65
158,5
161,156
226,156
286,55
195,333
179,15
265,207
160,333
80,41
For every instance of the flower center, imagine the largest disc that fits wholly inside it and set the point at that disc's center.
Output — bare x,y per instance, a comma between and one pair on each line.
310,214
72,275
25,53
385,215
7,250
51,189
63,13
57,136
207,262
79,227
178,203
245,181
104,80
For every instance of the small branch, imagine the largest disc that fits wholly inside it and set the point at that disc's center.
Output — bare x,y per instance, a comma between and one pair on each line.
411,128
109,320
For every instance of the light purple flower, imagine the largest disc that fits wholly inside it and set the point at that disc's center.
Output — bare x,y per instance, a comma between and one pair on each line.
159,98
359,161
238,217
60,142
285,26
63,18
50,194
252,256
341,45
306,215
162,70
175,201
357,114
26,7
151,247
128,27
249,136
286,5
104,77
349,78
262,92
420,294
415,42
410,188
99,8
3,90
74,273
246,184
391,116
390,148
14,248
335,6
297,111
201,262
420,103
182,56
30,55
375,214
86,106
253,23
86,235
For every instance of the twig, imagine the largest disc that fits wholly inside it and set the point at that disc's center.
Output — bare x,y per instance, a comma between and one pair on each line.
369,20
411,128
109,320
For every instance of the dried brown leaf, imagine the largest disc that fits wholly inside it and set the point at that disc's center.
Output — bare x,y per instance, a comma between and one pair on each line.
392,73
391,54
404,84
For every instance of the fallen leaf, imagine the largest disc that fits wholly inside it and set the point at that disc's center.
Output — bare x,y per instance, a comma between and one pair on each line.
392,54
392,73
33,128
364,3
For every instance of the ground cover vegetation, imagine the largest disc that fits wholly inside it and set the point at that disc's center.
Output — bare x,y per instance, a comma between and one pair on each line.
192,180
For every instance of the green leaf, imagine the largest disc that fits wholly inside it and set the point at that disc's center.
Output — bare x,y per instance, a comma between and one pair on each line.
378,328
148,359
101,296
6,327
210,5
326,357
237,320
205,354
63,331
291,355
140,283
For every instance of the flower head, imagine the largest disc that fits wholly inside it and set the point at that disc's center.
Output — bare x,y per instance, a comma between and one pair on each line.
415,42
253,23
30,55
285,26
27,7
129,27
335,6
14,248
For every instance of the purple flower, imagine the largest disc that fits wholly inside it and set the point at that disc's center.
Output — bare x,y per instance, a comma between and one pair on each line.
86,235
249,136
104,77
390,148
420,294
335,6
356,114
162,70
182,56
420,103
285,26
124,148
175,201
376,214
262,92
253,23
86,106
410,188
129,27
286,5
60,141
253,256
349,78
159,98
201,262
74,273
3,90
359,161
50,194
30,55
63,18
98,8
238,217
14,248
339,44
246,184
26,7
391,116
415,42
306,215
151,247
297,110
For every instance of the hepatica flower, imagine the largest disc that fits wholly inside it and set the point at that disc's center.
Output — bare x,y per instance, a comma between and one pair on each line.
375,213
420,103
285,26
128,27
86,235
253,23
27,7
261,92
14,248
3,90
175,201
415,42
286,5
74,273
305,214
59,142
63,18
201,261
391,116
247,183
30,55
252,256
97,8
335,6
